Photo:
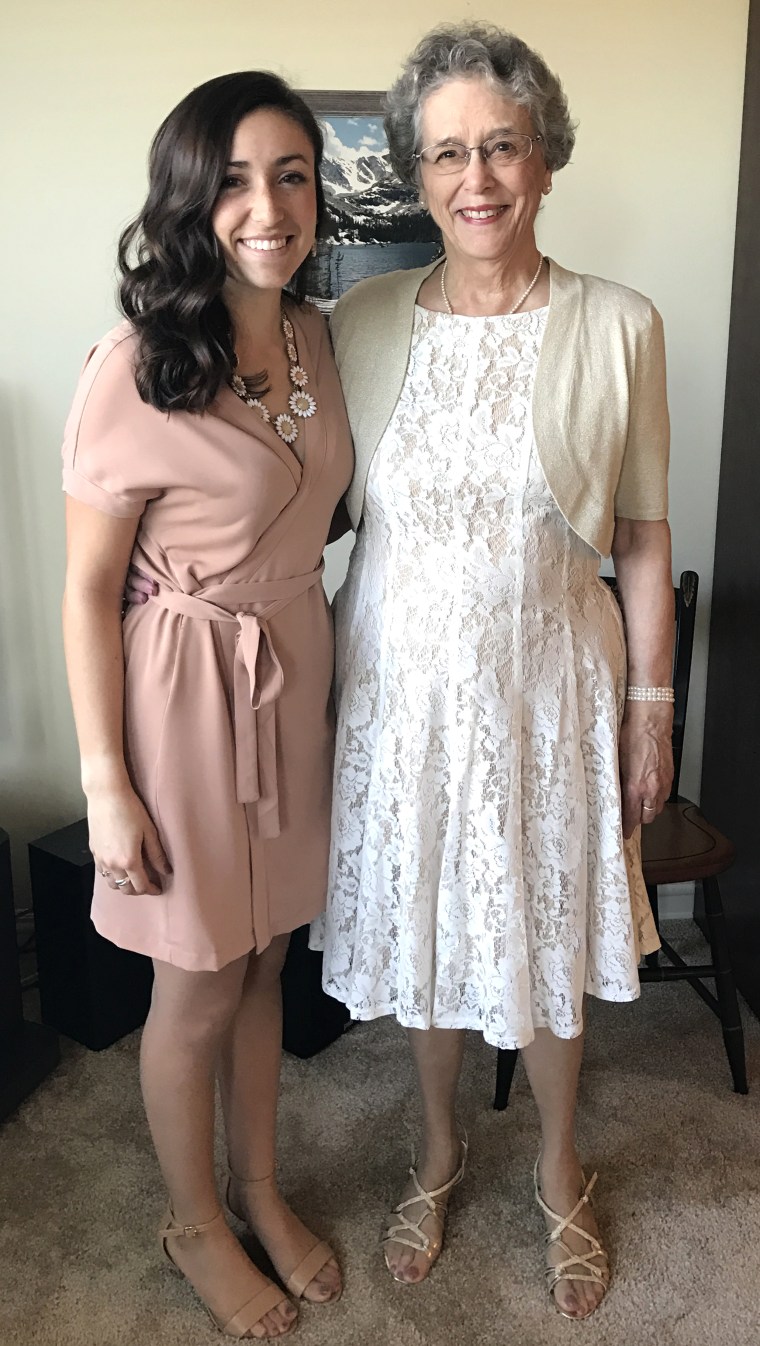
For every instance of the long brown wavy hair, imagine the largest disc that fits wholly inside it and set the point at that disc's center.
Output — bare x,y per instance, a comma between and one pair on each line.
172,269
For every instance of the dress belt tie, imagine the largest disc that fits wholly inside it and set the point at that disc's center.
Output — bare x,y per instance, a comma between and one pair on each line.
258,677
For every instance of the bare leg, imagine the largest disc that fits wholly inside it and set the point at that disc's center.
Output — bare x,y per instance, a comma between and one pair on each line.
189,1014
437,1056
553,1065
250,1083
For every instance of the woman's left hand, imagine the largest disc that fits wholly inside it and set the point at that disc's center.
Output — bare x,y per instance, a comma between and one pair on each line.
646,761
138,587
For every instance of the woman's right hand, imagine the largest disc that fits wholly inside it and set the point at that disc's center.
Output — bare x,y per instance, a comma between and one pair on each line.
124,842
138,587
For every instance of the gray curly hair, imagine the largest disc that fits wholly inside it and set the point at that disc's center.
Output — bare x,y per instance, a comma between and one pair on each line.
472,50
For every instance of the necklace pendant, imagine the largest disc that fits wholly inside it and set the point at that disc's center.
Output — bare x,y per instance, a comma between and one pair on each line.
302,404
286,428
258,405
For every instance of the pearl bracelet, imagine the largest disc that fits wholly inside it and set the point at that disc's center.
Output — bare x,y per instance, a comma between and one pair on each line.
650,694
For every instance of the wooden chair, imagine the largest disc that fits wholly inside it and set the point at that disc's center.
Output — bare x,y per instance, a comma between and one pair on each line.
681,846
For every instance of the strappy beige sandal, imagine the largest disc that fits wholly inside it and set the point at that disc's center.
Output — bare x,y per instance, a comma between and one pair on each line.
310,1266
410,1232
574,1266
240,1324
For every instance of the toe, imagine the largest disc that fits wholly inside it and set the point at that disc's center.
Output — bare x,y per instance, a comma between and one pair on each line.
405,1264
282,1317
397,1259
588,1303
579,1299
412,1269
326,1285
596,1294
267,1327
593,1296
567,1298
330,1279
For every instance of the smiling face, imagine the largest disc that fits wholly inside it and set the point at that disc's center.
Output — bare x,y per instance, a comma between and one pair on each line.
265,216
485,213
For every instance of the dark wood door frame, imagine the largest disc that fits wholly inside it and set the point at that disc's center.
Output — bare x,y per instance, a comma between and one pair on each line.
731,764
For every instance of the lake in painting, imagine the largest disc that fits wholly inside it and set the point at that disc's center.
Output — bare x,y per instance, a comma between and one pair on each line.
338,266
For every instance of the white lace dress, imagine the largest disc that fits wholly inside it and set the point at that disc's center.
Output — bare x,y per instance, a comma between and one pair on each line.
479,877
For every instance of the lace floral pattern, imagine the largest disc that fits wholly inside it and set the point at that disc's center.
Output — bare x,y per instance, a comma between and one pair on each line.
479,877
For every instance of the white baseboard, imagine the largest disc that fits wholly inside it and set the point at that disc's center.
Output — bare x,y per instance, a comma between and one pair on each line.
676,901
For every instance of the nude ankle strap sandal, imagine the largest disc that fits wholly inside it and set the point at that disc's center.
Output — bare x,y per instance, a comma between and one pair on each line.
310,1266
240,1324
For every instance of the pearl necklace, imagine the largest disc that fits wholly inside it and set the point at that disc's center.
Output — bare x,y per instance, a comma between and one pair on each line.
301,403
515,307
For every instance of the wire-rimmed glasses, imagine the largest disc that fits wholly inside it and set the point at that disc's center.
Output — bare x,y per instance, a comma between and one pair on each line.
502,151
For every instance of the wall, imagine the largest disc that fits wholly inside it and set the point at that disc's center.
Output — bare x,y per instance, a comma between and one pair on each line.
649,200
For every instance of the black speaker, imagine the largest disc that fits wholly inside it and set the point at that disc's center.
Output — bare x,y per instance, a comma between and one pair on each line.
311,1020
90,990
28,1051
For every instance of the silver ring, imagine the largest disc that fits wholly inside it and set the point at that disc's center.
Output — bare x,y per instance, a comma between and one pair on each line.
121,883
649,808
104,872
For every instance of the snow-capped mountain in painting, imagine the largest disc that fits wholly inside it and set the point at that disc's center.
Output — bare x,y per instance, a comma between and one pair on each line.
366,201
354,172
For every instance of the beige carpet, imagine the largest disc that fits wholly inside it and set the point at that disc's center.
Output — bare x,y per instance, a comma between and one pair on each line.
679,1195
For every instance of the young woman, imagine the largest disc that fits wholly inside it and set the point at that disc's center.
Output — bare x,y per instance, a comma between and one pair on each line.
208,443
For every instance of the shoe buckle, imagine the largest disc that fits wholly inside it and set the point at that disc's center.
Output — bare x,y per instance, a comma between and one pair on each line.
190,1231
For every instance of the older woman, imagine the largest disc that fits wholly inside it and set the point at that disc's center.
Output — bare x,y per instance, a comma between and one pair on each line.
499,740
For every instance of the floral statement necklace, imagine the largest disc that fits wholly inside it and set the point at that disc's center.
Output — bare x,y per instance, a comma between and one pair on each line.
301,403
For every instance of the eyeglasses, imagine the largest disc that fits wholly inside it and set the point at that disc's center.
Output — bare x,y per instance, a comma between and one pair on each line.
501,151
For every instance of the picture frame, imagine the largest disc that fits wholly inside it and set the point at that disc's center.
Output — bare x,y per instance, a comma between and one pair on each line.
375,223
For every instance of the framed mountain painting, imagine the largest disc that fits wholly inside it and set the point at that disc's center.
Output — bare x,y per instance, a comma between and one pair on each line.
375,223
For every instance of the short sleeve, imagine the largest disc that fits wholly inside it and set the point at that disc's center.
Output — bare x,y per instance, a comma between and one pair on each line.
109,433
642,490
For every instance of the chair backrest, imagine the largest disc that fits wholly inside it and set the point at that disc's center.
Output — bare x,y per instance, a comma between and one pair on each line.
686,611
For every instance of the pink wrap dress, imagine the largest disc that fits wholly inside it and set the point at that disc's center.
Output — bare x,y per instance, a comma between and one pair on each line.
228,670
